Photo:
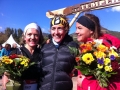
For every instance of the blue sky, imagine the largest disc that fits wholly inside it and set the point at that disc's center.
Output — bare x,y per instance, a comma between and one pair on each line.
19,13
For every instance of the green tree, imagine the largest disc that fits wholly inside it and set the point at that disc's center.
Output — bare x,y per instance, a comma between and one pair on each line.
20,32
15,36
8,31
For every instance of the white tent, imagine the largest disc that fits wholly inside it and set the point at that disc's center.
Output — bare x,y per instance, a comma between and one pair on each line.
10,41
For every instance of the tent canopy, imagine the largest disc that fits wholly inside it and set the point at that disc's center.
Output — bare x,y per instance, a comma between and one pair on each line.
10,41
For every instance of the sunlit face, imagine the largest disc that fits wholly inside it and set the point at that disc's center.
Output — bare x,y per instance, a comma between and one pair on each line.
82,32
31,37
58,32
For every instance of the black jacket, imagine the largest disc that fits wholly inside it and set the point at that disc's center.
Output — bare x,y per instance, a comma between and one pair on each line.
57,64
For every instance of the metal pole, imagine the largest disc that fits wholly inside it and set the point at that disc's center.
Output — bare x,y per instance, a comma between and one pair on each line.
73,20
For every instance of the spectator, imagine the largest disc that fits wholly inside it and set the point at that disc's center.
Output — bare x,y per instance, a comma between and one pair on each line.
6,50
14,46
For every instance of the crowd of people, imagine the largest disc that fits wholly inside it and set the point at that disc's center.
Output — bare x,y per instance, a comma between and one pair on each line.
54,61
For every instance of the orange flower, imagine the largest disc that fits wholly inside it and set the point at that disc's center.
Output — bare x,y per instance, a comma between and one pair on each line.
86,47
102,48
93,43
89,47
82,45
84,51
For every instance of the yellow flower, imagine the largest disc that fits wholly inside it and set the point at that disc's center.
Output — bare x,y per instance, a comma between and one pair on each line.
99,54
100,66
107,61
26,64
108,68
22,63
5,57
26,60
102,48
87,58
112,52
7,61
20,59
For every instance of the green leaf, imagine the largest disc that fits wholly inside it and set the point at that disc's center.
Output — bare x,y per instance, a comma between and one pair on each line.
118,59
31,63
74,50
101,77
84,70
17,61
2,70
103,83
98,72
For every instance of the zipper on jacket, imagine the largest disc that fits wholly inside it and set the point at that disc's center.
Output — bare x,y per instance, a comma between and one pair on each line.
54,69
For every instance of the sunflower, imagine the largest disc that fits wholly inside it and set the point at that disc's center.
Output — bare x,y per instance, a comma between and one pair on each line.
88,58
7,61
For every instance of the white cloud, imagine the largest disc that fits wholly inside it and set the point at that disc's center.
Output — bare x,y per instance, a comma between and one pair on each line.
117,9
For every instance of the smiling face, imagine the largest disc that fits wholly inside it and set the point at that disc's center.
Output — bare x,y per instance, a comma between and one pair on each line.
58,32
82,32
31,37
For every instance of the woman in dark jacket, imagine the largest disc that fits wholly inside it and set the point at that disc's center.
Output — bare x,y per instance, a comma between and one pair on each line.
32,36
57,60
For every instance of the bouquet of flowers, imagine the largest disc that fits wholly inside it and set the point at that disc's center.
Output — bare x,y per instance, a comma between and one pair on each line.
98,60
14,65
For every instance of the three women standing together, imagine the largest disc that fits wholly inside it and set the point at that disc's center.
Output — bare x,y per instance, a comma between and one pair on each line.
54,60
